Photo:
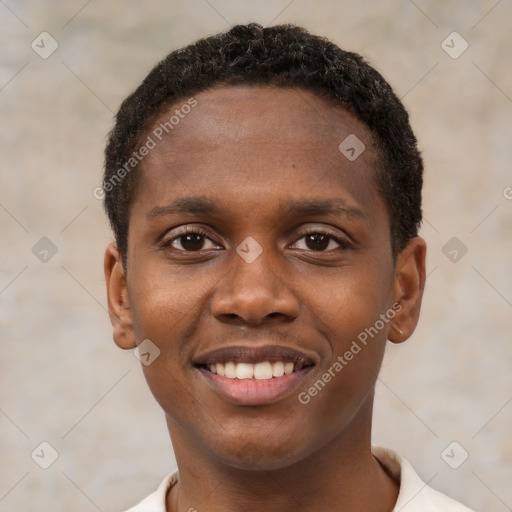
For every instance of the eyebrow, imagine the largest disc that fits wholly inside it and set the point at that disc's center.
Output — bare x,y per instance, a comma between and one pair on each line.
198,205
201,205
318,207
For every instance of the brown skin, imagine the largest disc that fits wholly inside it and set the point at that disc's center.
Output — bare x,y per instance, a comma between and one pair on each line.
255,152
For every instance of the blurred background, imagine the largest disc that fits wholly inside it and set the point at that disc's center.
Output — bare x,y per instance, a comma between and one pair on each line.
79,429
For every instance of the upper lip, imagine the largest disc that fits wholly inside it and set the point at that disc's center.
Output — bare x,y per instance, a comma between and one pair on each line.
254,354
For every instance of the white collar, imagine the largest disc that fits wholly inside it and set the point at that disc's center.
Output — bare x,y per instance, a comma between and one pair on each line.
414,495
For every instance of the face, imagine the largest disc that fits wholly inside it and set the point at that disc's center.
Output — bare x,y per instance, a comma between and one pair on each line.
259,257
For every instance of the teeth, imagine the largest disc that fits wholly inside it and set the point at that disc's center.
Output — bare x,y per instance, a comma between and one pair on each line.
278,369
259,371
263,371
229,370
244,371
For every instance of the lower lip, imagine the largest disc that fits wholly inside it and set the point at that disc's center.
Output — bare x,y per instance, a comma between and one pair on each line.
252,391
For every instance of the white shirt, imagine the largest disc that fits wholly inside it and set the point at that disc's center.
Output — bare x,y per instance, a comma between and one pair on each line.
414,495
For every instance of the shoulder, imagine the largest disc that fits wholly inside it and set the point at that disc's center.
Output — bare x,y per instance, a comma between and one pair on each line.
155,502
414,495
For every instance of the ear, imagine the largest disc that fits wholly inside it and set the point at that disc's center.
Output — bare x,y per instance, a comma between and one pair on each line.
408,289
119,307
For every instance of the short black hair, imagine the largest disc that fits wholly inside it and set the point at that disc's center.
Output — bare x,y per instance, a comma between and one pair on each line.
277,56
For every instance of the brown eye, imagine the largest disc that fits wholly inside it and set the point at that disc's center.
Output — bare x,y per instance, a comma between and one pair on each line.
317,241
320,242
190,242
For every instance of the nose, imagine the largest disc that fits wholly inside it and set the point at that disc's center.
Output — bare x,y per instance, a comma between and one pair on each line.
254,293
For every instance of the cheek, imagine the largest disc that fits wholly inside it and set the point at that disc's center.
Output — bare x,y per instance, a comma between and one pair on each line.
346,314
350,301
166,302
351,310
167,308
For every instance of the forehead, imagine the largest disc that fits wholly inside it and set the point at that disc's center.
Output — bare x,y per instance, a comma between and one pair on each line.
225,115
248,143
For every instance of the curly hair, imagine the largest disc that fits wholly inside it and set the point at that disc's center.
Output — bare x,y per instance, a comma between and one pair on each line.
278,56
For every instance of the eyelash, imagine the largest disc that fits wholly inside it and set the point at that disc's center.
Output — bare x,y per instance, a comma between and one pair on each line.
186,231
342,243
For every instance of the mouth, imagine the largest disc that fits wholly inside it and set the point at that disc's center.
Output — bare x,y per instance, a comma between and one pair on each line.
254,375
264,370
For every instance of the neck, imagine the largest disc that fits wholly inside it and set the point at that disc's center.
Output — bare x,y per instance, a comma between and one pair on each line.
342,475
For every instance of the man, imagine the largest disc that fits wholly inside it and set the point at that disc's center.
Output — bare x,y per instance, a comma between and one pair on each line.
264,188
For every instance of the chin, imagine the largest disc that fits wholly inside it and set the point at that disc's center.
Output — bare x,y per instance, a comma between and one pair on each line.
259,456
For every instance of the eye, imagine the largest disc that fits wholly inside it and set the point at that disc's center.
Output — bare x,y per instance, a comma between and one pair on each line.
190,241
320,242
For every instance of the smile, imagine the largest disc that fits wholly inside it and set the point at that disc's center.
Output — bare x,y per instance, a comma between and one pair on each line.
260,371
249,375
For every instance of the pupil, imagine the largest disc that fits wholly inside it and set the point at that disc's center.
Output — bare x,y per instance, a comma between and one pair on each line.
192,242
317,242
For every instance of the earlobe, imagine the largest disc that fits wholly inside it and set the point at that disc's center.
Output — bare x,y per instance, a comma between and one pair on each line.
119,306
408,289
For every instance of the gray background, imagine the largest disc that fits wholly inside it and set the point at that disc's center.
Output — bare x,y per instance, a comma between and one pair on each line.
62,379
